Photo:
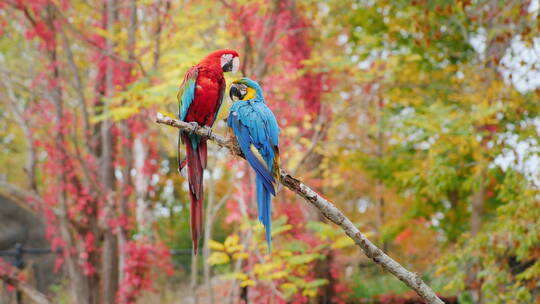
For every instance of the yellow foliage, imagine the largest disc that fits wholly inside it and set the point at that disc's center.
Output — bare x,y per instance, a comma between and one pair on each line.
240,255
310,292
285,253
342,241
281,229
279,275
218,258
231,241
124,112
235,248
216,245
288,288
263,269
247,283
236,276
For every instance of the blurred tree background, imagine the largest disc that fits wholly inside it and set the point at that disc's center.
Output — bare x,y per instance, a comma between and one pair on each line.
418,118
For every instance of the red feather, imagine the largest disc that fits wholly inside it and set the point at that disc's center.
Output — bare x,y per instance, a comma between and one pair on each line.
196,190
203,110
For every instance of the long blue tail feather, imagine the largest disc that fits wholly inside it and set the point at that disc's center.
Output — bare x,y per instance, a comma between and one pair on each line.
264,202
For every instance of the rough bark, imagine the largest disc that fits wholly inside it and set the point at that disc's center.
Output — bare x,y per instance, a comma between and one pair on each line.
80,287
477,209
144,213
330,211
194,278
78,86
110,242
208,236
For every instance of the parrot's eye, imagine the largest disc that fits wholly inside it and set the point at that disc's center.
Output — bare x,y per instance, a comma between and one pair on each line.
226,62
226,57
229,63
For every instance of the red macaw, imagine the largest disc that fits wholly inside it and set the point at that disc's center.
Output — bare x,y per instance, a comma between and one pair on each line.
199,100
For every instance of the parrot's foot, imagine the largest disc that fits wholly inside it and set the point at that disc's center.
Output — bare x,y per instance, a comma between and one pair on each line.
208,131
195,126
181,165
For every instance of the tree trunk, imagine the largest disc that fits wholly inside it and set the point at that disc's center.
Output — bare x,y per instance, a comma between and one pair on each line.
80,288
110,267
477,209
110,242
323,270
145,217
194,277
208,234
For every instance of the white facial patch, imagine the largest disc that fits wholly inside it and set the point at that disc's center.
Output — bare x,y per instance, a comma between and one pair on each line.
235,64
225,58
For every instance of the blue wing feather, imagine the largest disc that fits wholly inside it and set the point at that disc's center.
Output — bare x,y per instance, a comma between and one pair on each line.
245,141
254,125
186,94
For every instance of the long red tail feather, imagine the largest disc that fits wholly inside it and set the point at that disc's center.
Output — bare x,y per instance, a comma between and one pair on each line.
203,152
196,190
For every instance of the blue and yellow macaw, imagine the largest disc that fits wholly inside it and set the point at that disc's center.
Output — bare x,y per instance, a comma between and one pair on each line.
257,132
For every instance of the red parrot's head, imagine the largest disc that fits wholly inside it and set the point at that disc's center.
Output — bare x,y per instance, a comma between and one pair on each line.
227,59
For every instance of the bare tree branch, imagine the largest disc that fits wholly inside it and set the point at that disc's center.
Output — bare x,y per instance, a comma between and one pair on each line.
330,211
22,195
78,85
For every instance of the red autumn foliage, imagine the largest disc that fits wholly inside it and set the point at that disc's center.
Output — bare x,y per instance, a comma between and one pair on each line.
403,236
8,273
145,262
73,190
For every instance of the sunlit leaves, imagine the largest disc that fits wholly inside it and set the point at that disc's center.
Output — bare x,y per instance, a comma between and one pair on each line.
426,117
337,237
216,245
289,266
342,241
218,258
223,253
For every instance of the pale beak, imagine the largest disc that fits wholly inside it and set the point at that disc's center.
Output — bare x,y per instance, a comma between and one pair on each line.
235,64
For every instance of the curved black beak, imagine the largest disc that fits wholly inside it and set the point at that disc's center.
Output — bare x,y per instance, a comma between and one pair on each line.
237,91
228,66
231,66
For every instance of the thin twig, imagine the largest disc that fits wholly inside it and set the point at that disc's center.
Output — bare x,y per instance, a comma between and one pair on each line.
78,85
329,210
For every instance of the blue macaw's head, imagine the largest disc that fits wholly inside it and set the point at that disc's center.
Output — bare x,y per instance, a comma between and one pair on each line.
246,89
